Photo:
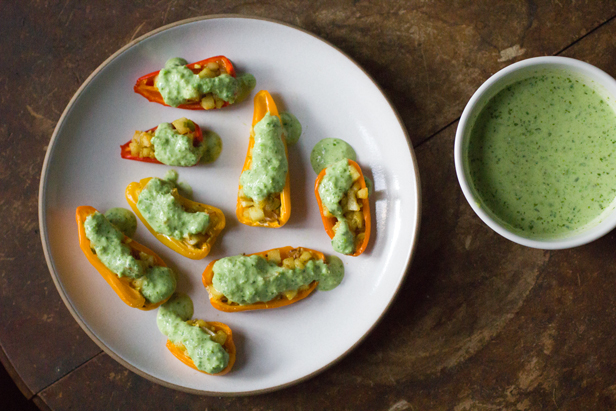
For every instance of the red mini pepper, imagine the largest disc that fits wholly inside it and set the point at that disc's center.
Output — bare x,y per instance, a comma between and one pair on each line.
127,154
146,87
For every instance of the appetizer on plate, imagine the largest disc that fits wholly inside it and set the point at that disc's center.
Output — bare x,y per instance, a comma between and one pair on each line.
136,273
205,346
204,85
342,196
270,279
264,196
179,143
187,227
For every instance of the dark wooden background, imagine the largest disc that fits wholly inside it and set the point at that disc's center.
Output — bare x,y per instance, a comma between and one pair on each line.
480,323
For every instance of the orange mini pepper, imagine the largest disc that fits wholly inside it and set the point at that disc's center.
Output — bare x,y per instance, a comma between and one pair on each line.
181,354
121,285
217,222
208,276
264,103
329,222
146,87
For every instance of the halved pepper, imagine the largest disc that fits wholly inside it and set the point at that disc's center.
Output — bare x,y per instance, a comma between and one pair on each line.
264,103
330,221
281,301
121,285
180,352
217,222
146,87
126,151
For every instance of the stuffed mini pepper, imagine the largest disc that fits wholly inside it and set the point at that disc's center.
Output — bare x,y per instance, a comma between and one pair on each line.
204,85
205,346
137,274
342,196
185,226
264,196
270,279
179,143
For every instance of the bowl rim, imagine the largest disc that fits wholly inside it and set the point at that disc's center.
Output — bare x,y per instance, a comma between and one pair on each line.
577,238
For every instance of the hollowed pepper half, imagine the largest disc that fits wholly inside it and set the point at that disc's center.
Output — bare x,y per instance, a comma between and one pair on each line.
213,327
146,86
276,209
142,149
195,252
221,303
121,285
361,222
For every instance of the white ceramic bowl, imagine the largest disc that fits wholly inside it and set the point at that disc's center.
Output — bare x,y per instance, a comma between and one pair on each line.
594,77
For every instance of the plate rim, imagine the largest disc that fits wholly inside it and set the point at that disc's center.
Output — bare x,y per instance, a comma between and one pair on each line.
45,241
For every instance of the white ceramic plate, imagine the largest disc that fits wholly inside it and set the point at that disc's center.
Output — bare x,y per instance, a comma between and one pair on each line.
332,97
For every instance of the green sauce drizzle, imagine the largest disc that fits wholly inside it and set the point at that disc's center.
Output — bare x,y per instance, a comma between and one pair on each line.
268,170
179,85
165,214
292,128
175,149
250,279
334,185
329,151
123,219
208,356
157,282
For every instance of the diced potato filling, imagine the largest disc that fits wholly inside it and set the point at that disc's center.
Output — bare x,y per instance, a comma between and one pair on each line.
183,125
298,257
197,240
141,144
352,208
211,70
267,210
218,336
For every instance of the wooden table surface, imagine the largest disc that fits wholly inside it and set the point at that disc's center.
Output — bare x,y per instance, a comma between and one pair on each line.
480,322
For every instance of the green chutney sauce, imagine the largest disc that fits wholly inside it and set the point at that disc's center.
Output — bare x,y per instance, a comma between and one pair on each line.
334,185
268,170
179,85
208,355
292,127
250,279
123,219
542,154
175,149
329,151
156,282
164,212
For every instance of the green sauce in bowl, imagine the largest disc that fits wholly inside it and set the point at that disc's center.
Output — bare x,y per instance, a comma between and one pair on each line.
542,154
